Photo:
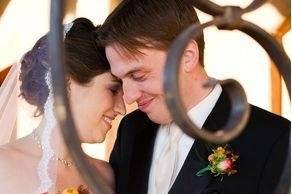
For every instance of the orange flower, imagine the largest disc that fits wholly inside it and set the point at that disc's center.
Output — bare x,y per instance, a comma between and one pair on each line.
70,190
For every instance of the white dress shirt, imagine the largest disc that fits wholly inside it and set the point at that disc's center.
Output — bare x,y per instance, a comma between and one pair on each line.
198,114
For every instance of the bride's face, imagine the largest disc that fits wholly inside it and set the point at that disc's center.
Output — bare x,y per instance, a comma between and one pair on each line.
95,106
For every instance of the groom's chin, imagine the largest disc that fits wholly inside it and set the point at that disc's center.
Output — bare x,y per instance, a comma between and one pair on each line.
159,117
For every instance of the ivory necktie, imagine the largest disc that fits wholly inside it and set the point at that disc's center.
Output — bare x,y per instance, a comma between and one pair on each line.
167,161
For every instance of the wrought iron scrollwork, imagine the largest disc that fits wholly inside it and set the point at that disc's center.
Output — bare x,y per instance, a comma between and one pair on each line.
228,17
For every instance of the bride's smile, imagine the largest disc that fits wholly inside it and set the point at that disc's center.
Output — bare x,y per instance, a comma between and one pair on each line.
108,120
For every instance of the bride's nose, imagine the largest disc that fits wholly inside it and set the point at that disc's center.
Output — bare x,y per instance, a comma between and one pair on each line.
119,106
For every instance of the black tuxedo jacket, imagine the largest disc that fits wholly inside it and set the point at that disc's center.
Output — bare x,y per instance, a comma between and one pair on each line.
262,148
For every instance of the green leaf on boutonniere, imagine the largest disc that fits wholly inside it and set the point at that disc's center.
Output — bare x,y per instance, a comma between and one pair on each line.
202,171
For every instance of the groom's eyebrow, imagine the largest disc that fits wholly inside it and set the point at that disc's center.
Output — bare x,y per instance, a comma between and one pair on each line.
116,79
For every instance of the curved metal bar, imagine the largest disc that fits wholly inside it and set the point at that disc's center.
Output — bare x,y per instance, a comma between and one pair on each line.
273,48
239,108
62,108
254,5
208,7
213,9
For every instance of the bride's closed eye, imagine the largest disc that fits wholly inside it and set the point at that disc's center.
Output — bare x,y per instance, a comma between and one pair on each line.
115,88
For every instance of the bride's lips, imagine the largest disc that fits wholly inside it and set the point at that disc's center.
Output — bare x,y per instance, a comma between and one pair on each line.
144,104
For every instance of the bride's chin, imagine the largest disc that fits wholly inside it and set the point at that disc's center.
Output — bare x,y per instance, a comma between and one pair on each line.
98,139
100,135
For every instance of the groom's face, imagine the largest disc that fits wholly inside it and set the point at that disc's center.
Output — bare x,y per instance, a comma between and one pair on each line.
142,80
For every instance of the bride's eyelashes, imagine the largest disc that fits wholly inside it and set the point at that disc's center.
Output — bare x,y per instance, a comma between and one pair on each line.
115,88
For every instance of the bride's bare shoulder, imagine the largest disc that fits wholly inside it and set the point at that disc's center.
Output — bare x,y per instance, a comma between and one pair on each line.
12,156
15,167
6,167
105,170
7,162
8,158
6,154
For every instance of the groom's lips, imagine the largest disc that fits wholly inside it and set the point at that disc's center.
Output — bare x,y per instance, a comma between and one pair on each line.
144,104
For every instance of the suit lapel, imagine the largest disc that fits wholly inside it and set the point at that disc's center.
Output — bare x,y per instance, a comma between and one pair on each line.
187,182
142,158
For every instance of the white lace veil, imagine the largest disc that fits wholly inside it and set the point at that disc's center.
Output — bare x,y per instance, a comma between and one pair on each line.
8,98
39,175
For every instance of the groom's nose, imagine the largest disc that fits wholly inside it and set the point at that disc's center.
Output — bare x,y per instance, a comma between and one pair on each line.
131,91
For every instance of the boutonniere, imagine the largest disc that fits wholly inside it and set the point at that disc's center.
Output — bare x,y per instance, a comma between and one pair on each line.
221,162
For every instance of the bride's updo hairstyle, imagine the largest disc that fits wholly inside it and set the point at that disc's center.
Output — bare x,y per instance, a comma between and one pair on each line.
84,59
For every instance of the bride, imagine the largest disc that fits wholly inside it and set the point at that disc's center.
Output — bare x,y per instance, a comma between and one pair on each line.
40,162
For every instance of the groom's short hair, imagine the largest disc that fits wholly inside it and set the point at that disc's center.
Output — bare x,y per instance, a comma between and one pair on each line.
155,24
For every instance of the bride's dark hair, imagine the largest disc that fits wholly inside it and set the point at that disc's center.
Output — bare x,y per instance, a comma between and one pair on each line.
84,59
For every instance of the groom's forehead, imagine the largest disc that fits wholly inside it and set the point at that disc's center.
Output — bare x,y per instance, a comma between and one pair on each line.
124,63
131,56
124,70
124,53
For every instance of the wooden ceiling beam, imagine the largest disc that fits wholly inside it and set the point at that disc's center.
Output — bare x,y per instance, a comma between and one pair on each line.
3,5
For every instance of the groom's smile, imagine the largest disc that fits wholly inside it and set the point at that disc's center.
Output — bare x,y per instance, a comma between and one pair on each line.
143,104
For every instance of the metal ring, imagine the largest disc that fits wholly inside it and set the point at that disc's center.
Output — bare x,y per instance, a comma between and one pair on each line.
240,107
62,110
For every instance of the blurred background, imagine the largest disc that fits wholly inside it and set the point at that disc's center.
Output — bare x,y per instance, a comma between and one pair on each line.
228,54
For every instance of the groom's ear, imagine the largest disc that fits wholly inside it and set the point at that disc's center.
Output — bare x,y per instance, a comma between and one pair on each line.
190,57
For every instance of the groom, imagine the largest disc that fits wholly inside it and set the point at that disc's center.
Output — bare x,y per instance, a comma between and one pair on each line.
151,154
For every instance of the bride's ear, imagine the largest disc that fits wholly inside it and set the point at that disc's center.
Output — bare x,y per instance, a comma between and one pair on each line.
190,56
68,83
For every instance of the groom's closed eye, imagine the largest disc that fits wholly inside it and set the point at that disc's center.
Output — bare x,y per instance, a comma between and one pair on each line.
138,76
